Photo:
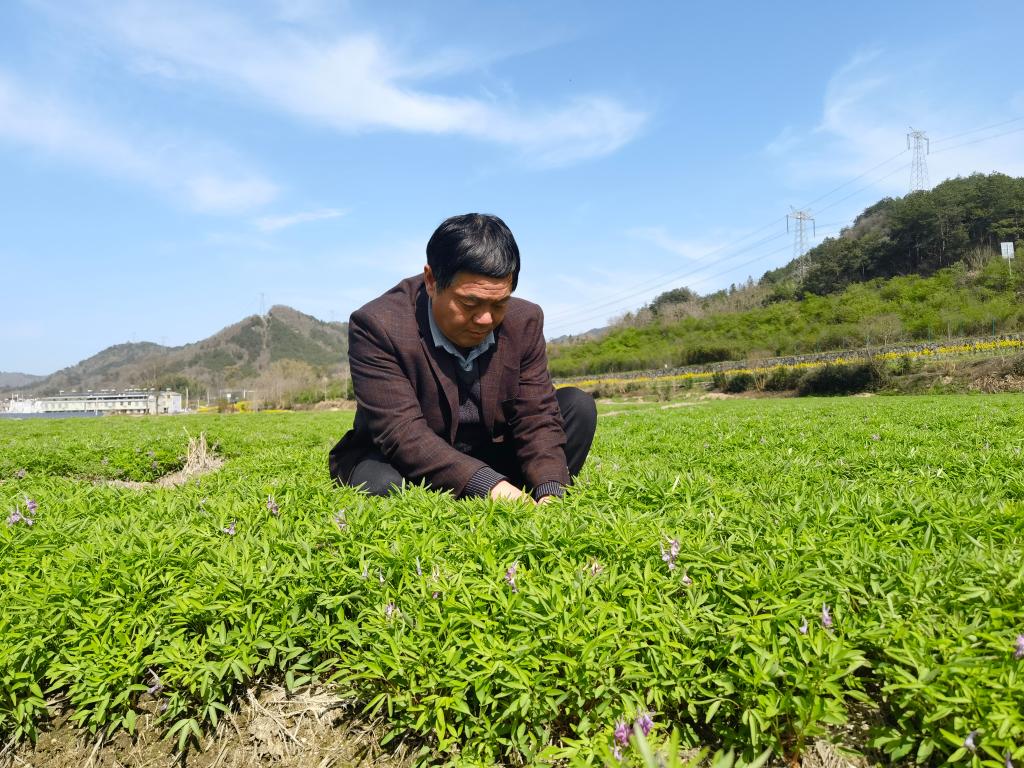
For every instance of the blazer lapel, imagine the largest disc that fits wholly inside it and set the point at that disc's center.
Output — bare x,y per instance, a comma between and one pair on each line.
441,362
490,380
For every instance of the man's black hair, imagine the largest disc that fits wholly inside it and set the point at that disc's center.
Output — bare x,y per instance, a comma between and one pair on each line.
473,242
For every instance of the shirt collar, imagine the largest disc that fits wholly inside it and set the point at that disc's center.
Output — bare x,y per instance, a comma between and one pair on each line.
440,340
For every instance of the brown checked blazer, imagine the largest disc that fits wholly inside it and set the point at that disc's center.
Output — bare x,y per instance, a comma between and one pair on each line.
407,394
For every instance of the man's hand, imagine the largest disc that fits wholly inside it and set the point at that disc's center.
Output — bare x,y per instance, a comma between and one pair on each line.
546,499
505,490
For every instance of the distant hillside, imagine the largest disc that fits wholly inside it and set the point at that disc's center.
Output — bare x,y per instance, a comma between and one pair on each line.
592,335
954,302
10,380
282,348
960,220
919,267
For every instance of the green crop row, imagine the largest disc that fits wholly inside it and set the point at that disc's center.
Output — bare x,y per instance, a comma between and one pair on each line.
748,575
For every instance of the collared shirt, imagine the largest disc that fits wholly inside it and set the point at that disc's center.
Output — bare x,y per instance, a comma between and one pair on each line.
440,340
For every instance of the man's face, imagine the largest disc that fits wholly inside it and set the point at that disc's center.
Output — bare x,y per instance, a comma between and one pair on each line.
471,307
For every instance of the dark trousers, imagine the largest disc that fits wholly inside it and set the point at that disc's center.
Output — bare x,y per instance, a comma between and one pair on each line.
579,415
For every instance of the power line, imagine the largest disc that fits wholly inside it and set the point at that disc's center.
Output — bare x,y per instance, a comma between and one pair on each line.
705,278
637,289
858,178
588,312
979,141
978,130
584,313
578,315
659,280
856,192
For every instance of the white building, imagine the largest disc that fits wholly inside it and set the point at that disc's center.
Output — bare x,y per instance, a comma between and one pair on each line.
102,401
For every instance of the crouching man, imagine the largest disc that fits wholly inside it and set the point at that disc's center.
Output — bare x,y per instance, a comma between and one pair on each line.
451,380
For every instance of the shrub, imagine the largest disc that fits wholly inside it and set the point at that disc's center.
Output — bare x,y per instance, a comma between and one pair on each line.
701,355
739,382
839,379
782,378
1015,366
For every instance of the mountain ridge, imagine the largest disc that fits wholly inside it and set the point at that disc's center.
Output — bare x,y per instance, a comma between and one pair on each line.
282,349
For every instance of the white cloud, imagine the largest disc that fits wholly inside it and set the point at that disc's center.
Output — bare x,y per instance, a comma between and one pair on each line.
688,249
216,193
275,223
47,124
355,83
31,118
787,140
868,107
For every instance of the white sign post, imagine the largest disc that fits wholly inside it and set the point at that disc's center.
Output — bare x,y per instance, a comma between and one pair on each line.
1007,250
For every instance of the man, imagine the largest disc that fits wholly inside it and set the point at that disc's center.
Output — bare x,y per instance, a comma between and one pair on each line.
451,380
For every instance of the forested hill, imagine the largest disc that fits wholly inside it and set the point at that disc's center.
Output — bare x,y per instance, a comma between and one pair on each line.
924,266
921,233
283,349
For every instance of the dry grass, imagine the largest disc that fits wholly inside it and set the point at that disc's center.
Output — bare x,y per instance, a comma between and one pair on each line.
199,460
310,729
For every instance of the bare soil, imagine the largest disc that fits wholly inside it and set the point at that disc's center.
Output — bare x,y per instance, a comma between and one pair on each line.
199,460
313,729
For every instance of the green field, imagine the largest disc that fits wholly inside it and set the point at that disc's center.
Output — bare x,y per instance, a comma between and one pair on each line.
904,516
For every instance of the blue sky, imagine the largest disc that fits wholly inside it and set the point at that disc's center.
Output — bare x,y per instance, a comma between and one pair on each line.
165,164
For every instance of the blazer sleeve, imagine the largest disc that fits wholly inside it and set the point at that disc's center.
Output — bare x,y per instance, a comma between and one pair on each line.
534,417
393,414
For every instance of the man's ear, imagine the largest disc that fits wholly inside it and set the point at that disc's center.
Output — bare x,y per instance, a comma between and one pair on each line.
429,281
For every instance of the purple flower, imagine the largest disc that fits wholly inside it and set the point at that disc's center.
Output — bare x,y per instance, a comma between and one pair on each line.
16,517
365,574
969,741
510,575
622,733
151,454
435,595
380,575
687,581
389,610
876,437
595,567
669,555
645,723
31,505
617,752
803,626
230,530
1008,763
419,570
156,686
272,506
826,616
1019,652
340,520
20,474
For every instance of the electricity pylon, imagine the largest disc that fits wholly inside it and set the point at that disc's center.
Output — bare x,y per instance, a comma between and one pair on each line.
800,219
919,165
